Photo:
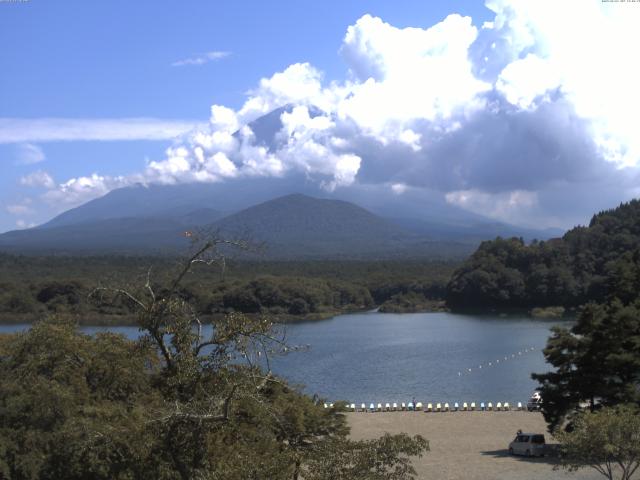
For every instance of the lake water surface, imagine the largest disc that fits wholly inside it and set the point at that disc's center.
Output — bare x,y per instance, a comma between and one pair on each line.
434,357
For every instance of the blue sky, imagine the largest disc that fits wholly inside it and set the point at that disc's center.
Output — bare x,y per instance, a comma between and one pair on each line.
75,74
114,58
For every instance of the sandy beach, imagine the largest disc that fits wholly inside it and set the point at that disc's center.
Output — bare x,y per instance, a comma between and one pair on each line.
467,445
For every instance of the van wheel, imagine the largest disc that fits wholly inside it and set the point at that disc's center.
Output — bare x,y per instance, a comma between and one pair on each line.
510,451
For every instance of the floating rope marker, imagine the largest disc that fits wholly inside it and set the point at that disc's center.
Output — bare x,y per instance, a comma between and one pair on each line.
492,363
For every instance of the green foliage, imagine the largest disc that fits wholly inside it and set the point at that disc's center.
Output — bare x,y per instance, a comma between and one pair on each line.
387,458
410,302
295,296
607,441
74,406
594,263
596,361
173,404
36,286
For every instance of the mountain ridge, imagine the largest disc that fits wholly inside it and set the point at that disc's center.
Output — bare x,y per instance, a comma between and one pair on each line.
293,226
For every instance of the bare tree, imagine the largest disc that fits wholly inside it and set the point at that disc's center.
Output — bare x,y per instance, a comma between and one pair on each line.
196,353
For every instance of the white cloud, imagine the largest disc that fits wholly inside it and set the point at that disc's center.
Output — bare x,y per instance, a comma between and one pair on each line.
82,189
525,80
493,118
408,75
504,206
28,154
399,188
299,83
39,178
591,60
201,59
24,130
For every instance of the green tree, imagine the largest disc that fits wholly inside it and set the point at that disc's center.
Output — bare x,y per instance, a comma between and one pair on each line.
595,263
74,406
596,361
386,458
175,404
607,441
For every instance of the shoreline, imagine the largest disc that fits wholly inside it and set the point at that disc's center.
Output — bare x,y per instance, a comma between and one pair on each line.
93,320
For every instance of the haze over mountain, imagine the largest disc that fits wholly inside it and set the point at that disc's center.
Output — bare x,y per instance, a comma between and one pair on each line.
152,220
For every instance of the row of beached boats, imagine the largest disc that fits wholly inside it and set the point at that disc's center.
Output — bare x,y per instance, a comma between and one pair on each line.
431,407
534,404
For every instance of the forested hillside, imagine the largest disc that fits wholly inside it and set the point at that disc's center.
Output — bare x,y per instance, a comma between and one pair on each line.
34,287
590,263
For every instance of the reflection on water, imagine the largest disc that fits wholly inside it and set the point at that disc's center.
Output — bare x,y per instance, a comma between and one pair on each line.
374,357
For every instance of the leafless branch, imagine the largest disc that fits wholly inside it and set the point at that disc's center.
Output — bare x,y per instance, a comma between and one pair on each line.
148,285
120,291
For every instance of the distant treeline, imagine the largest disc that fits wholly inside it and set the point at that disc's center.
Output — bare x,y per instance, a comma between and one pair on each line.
32,287
588,264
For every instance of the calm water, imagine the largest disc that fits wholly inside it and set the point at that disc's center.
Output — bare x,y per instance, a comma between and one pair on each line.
374,357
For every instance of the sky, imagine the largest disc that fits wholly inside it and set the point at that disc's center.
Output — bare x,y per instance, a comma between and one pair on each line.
521,111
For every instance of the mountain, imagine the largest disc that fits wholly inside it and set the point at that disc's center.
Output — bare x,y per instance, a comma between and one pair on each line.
299,226
173,202
115,235
473,231
292,227
266,129
169,208
153,218
202,204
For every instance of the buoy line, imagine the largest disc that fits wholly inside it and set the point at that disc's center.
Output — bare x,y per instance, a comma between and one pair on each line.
497,361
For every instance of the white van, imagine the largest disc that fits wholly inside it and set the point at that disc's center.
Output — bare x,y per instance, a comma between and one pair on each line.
529,444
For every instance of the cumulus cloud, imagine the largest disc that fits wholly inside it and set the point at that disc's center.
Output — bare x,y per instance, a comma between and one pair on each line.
539,46
39,178
508,206
201,59
409,75
25,130
82,189
497,119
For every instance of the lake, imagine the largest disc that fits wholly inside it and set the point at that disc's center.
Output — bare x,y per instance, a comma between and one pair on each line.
434,357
